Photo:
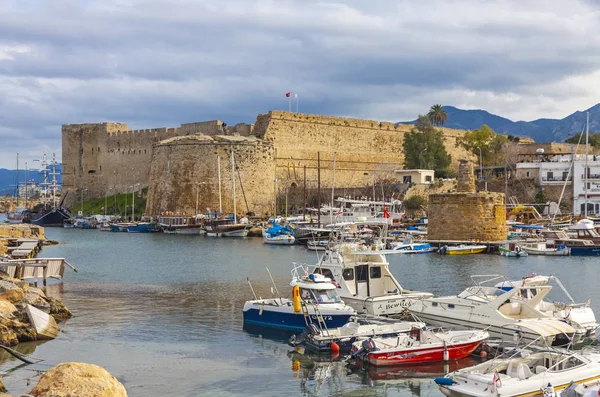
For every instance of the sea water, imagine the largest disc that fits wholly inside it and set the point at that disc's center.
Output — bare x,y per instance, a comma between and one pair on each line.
163,314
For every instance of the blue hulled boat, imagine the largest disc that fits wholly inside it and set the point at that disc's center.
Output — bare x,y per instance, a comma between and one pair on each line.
143,227
314,297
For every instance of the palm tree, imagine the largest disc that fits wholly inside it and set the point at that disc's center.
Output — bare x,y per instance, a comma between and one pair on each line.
437,115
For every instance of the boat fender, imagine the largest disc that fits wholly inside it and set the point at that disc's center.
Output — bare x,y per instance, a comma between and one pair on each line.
549,391
446,353
335,348
444,381
296,299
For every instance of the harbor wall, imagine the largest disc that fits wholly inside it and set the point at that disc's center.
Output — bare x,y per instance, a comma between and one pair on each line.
184,175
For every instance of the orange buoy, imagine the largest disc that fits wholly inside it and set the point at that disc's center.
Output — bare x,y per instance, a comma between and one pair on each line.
296,299
335,348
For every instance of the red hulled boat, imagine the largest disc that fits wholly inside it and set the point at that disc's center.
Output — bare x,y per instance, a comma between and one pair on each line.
419,346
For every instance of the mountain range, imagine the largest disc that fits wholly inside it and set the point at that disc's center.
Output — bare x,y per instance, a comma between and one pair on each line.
8,177
540,130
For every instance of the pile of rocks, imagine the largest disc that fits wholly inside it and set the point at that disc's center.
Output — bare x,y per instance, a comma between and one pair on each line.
15,295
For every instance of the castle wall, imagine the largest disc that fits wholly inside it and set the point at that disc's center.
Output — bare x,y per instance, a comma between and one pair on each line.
365,150
184,172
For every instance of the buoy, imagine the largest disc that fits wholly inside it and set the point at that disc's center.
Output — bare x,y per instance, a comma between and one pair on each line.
296,365
296,298
483,354
335,348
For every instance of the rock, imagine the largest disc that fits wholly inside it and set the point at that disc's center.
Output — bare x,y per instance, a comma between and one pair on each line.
10,291
2,388
78,379
7,335
7,307
58,310
13,331
34,298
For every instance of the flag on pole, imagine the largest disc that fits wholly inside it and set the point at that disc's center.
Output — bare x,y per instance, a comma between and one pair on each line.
287,94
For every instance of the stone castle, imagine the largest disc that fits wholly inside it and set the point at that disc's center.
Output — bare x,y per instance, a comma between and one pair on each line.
180,165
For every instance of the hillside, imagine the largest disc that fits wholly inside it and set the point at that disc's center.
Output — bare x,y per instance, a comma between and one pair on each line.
541,130
7,178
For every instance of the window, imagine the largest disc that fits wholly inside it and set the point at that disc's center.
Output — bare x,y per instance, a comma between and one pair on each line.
450,306
362,273
428,178
375,272
434,304
550,175
348,274
407,179
565,175
527,174
325,272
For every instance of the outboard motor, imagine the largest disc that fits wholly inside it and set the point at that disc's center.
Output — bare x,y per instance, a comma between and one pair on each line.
367,346
312,329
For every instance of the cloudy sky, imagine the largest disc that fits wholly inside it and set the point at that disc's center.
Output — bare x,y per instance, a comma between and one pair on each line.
153,63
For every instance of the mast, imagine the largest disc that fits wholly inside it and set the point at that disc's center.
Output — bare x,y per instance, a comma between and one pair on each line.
319,189
304,193
587,130
332,189
233,184
17,183
133,203
54,180
219,174
26,183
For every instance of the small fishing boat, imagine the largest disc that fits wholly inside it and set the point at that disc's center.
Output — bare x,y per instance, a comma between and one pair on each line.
414,248
104,227
69,223
315,300
225,228
512,250
320,340
419,346
531,372
120,227
278,235
181,225
462,249
541,248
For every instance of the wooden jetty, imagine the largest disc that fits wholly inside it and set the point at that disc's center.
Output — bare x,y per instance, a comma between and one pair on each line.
23,247
34,269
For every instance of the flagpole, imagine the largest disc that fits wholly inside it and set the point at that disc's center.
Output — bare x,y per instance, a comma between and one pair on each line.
296,102
290,104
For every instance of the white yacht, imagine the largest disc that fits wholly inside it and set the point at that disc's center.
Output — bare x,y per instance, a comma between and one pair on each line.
362,274
508,315
534,372
579,315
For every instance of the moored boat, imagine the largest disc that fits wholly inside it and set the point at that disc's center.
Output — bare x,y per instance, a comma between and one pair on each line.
278,235
315,300
462,249
143,227
419,346
541,248
531,372
181,225
512,250
225,228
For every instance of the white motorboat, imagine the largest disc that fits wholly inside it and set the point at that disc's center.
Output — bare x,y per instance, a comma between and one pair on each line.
225,228
508,315
181,225
317,245
579,315
534,372
512,250
364,278
541,248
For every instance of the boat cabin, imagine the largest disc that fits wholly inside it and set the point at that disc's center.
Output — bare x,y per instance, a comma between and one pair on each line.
317,288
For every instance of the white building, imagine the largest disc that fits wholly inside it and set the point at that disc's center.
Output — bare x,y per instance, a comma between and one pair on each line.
568,170
424,177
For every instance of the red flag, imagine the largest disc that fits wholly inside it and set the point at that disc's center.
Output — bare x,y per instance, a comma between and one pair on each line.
386,214
287,94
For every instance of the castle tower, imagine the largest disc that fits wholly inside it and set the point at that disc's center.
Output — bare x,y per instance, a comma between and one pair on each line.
467,215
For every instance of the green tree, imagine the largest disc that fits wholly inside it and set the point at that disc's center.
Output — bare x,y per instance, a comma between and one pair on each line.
424,148
490,143
437,115
593,139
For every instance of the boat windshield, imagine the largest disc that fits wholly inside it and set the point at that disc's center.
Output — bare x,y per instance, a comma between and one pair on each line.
321,295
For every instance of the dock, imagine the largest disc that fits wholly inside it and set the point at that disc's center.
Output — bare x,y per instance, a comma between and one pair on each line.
32,270
492,246
23,248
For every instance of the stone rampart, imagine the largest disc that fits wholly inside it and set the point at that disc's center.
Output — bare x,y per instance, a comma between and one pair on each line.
365,150
184,175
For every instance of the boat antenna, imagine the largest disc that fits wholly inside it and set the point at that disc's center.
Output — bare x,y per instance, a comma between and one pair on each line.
250,284
271,277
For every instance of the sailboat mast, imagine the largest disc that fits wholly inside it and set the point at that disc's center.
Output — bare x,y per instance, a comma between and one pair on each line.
53,180
17,183
233,184
587,131
332,189
319,188
26,184
219,174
